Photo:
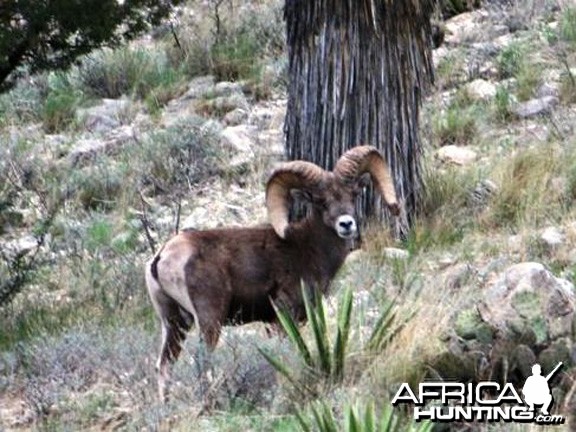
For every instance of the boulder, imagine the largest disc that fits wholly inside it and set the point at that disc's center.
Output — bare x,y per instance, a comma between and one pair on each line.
481,90
396,253
536,107
552,237
199,87
457,155
235,117
239,141
88,148
105,116
529,302
525,316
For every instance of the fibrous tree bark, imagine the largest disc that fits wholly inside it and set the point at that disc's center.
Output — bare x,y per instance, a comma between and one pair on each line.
357,73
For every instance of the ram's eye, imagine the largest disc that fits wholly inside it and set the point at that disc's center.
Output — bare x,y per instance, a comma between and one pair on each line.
321,202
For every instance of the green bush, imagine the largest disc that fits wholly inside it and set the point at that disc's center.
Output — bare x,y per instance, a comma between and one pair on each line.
23,103
129,71
510,60
62,99
356,419
100,186
172,160
502,105
235,57
514,62
234,45
568,25
457,124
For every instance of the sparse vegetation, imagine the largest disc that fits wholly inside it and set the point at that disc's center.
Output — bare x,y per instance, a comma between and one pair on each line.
457,124
514,62
77,332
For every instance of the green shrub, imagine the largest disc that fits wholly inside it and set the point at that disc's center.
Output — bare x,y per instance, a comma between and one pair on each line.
514,62
510,60
130,71
100,186
359,418
450,70
23,103
568,25
59,111
62,99
234,46
525,196
502,105
236,56
457,124
172,160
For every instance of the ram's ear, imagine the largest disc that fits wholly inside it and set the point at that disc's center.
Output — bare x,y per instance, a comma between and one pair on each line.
363,181
300,195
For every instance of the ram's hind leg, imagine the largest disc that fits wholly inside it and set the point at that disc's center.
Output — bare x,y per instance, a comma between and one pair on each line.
175,323
174,329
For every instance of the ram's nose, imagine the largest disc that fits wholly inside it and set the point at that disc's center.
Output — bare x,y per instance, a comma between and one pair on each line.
346,226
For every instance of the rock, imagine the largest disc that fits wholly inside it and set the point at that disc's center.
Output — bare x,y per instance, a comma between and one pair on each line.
481,90
104,117
225,88
273,141
527,304
548,89
88,148
198,87
240,141
268,117
469,325
395,253
20,246
457,276
481,194
536,107
235,117
221,105
525,316
456,155
457,27
552,237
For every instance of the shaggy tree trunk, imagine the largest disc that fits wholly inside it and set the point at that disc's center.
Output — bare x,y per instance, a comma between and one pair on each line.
358,69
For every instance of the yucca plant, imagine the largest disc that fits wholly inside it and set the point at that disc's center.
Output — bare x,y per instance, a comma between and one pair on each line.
384,329
321,357
356,419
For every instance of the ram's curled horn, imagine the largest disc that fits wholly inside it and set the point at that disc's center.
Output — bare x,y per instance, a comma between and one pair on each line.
289,175
367,159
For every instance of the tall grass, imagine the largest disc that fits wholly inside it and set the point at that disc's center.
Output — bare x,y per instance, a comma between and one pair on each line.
526,196
130,71
568,25
514,61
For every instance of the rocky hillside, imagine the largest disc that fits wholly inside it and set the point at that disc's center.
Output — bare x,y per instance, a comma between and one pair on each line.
101,164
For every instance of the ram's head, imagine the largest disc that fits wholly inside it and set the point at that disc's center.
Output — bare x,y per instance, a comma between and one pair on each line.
331,194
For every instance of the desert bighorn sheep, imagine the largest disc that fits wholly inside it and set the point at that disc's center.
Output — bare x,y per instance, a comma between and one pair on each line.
235,275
